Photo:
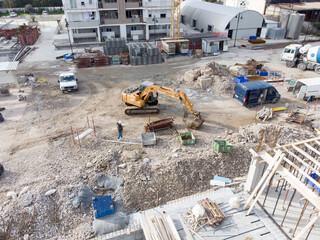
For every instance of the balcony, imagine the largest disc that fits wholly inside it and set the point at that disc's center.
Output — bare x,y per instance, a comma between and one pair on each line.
121,20
84,24
135,4
158,31
159,20
108,34
108,5
85,35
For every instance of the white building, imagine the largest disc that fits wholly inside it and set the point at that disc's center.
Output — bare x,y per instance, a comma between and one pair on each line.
235,23
256,5
95,20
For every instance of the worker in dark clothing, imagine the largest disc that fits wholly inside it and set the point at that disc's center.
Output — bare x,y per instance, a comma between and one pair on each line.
120,129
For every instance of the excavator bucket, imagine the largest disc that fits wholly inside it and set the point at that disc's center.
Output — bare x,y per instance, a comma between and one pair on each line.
195,124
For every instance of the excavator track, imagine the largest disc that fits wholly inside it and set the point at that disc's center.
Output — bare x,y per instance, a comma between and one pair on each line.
140,111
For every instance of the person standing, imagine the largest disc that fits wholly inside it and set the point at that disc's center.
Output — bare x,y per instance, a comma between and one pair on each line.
120,129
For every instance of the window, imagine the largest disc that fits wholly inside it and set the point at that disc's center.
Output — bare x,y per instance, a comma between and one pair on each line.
287,50
90,1
194,23
209,28
150,15
82,4
162,15
228,26
272,91
133,28
108,30
110,1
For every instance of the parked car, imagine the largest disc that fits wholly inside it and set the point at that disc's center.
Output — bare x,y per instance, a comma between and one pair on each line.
44,12
253,93
13,14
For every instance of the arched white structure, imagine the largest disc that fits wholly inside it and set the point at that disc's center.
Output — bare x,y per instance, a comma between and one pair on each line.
230,21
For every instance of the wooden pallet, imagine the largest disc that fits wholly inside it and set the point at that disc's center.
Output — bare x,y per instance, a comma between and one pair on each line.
214,212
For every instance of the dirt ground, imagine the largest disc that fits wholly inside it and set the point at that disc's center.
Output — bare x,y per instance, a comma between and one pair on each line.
38,152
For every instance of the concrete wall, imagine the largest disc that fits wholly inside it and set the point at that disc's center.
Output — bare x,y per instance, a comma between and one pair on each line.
7,77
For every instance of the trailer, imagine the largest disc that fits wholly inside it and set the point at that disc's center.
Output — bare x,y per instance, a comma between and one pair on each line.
308,87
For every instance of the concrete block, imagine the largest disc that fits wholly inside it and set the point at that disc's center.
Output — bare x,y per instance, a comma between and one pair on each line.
205,82
237,71
190,76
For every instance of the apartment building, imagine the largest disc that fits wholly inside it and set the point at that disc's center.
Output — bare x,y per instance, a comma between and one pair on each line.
95,20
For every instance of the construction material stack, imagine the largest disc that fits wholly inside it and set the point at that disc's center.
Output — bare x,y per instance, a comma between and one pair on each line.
144,53
115,46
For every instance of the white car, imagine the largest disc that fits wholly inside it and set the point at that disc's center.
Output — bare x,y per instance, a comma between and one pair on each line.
44,12
13,14
68,82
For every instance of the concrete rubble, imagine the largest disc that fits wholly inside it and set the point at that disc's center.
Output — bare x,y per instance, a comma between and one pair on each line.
48,184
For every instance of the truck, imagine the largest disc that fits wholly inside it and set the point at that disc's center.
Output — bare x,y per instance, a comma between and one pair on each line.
305,88
253,93
68,82
302,57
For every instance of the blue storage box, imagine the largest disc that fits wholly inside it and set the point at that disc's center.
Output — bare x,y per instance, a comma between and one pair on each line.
253,37
314,176
262,73
241,79
103,206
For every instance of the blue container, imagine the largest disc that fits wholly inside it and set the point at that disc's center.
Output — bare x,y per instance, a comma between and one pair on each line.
252,37
241,79
314,176
103,206
260,73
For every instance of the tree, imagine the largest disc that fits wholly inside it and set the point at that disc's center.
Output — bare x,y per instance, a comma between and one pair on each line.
29,8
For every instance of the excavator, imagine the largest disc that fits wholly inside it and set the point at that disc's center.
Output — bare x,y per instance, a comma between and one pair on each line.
147,94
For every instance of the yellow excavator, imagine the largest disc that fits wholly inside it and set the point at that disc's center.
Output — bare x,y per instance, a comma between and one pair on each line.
147,94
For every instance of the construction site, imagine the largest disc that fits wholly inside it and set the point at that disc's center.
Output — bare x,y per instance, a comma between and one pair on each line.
147,141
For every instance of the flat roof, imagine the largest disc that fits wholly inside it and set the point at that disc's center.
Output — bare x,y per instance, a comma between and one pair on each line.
300,7
212,39
255,85
310,81
9,66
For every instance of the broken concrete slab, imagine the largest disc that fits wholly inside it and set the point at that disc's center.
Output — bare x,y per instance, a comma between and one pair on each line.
108,182
84,197
205,82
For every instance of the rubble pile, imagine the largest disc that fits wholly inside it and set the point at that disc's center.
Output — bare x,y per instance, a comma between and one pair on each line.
251,135
211,77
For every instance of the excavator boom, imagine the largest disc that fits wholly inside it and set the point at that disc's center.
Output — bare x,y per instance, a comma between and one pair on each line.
140,98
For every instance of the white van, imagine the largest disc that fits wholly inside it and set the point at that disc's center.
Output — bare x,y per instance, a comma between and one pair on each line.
307,87
68,82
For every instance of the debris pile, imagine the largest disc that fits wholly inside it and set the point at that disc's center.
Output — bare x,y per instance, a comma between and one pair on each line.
264,114
206,212
212,77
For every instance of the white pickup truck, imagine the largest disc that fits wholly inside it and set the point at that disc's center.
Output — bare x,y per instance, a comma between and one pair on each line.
68,82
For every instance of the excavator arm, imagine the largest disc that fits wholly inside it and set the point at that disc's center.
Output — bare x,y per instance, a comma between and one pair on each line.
140,98
171,92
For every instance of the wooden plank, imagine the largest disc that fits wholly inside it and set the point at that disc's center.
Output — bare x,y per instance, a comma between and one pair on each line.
300,160
312,148
300,142
277,109
307,155
186,229
265,175
302,172
313,220
274,168
173,228
295,183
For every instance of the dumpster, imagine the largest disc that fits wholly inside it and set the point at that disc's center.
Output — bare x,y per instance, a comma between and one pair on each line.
187,138
222,146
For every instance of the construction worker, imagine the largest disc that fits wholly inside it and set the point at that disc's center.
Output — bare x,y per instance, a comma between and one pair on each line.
120,129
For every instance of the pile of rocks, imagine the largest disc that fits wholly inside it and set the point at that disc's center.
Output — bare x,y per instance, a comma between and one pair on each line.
211,77
251,135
